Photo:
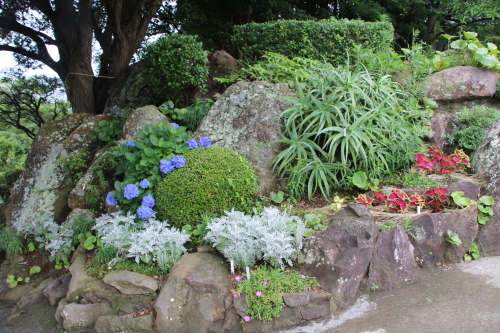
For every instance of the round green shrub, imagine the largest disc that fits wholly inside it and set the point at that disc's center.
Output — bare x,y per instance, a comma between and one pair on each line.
213,180
175,62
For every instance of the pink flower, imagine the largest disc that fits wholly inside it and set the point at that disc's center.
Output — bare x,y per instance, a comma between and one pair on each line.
235,295
237,278
265,283
258,294
246,318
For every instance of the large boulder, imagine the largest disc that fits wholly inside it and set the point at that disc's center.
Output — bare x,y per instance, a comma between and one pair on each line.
126,323
393,263
81,317
44,186
461,83
57,289
246,119
99,175
145,115
486,162
339,255
430,234
194,296
79,277
131,283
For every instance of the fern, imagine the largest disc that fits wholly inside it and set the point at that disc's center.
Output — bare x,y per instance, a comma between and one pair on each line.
273,236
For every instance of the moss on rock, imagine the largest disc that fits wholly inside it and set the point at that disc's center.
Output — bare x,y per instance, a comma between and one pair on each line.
214,180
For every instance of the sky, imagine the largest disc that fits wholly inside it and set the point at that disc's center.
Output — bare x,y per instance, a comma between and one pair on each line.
7,61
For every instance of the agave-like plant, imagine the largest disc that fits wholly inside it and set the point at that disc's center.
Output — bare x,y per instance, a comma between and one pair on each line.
343,121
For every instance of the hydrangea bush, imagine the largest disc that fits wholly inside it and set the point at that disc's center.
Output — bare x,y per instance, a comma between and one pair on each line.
157,152
273,236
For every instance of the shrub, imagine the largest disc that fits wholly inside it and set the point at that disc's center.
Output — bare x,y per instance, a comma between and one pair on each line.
143,159
329,39
272,236
176,62
213,180
352,120
470,130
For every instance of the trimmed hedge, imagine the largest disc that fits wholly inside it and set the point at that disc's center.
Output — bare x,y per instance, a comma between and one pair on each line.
311,39
213,180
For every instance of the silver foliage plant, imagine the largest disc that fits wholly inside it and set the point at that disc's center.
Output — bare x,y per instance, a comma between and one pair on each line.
150,241
57,239
159,243
273,236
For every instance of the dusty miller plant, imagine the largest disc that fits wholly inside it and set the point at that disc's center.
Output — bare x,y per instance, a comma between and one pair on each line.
158,243
55,238
149,241
272,236
114,230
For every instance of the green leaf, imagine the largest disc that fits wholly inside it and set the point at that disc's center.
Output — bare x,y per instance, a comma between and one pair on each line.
460,200
453,238
472,47
31,247
482,219
149,152
360,179
491,46
489,61
34,270
458,44
89,242
485,209
154,140
277,197
470,35
130,156
487,200
312,218
429,102
11,281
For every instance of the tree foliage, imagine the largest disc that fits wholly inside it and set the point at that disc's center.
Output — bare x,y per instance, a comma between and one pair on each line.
213,21
26,103
117,28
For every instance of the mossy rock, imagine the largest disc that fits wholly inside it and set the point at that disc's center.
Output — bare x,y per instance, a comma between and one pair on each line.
213,180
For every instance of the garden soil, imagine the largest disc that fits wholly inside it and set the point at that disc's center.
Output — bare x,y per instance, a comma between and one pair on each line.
461,298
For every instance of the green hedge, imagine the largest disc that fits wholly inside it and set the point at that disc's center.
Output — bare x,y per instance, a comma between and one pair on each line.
311,39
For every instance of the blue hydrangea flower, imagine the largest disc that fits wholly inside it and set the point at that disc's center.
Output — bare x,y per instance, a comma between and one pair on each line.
166,166
145,212
174,124
131,191
148,201
178,161
205,142
144,183
111,200
131,144
192,144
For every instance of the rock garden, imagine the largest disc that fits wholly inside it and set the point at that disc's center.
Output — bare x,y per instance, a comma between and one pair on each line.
264,207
